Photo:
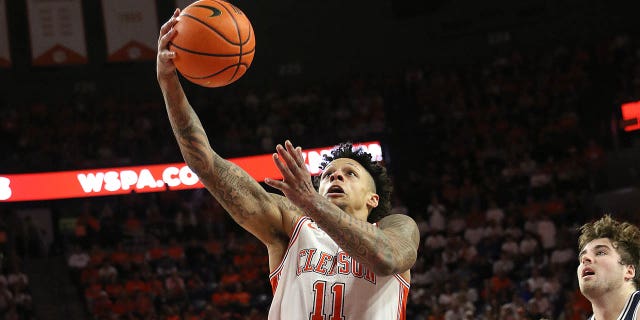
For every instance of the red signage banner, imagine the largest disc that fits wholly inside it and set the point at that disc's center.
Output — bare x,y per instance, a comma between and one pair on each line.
141,179
631,115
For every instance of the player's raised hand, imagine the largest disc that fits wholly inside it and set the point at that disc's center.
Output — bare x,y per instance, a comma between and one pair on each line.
296,184
164,63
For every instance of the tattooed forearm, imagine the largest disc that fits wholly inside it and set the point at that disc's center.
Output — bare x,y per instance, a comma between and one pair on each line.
236,190
385,252
244,199
195,148
232,186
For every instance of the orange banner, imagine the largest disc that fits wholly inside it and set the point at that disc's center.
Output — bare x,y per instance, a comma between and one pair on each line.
140,179
5,56
131,28
57,32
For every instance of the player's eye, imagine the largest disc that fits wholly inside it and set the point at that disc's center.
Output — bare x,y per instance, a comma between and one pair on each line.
601,253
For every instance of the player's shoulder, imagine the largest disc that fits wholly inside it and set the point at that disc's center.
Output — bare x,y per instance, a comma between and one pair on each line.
396,219
291,214
402,226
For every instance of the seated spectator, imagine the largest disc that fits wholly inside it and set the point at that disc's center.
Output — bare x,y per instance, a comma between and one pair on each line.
17,278
102,306
155,286
510,247
6,298
107,272
230,276
239,298
92,290
13,313
135,284
529,244
133,226
457,223
142,305
97,255
123,306
166,266
434,241
514,309
196,288
539,306
114,288
494,212
138,257
78,259
211,312
221,297
87,225
474,233
503,265
89,274
191,313
500,283
185,223
460,308
174,250
176,288
120,257
436,212
155,251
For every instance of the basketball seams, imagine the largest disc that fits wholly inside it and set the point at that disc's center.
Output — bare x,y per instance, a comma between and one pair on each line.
214,74
210,54
213,29
239,39
237,11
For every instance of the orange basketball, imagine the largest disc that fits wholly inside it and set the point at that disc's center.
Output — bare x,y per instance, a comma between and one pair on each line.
215,43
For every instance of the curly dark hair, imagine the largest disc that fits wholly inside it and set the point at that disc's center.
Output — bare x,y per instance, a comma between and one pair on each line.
624,236
381,179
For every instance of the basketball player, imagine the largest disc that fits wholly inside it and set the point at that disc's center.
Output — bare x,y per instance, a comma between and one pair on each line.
327,259
608,270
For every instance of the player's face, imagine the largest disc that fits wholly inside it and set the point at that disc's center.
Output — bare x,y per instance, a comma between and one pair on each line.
600,270
348,185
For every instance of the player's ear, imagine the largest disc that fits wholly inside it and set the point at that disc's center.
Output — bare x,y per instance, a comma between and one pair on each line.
630,273
373,200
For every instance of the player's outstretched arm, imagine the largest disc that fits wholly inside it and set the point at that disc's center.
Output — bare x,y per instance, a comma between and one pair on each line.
246,201
390,248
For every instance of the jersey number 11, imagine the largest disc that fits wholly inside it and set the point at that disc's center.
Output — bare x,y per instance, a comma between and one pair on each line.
319,288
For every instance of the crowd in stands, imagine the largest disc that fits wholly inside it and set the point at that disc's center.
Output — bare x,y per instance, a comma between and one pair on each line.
494,160
18,239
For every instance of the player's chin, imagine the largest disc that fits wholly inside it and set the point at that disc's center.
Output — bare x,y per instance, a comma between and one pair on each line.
338,201
586,287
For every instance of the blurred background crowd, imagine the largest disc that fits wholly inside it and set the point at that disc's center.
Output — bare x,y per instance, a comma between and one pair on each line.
499,160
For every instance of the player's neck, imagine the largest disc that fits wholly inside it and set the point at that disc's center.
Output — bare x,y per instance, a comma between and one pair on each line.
359,214
609,306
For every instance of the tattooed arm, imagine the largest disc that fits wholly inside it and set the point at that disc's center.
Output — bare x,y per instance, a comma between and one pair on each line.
267,216
390,248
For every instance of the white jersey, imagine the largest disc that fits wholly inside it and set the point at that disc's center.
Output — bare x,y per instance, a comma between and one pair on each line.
316,280
630,310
